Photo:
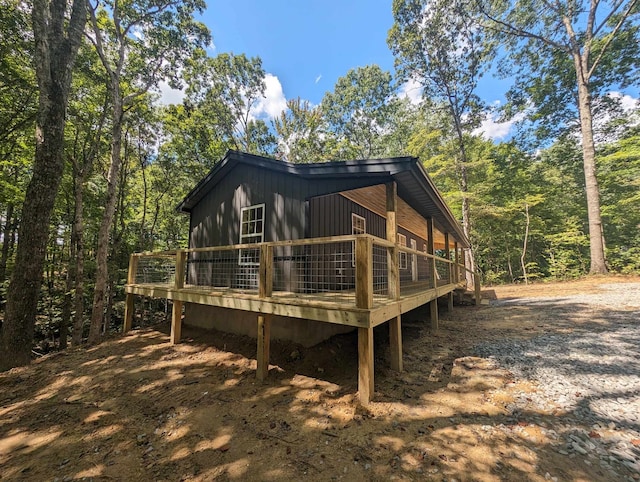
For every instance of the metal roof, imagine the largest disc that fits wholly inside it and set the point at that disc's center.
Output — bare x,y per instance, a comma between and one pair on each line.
413,183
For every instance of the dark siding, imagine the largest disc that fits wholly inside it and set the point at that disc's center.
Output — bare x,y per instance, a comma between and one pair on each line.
215,219
331,216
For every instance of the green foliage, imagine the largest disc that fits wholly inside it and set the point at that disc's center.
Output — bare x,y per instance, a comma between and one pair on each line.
358,112
302,132
223,94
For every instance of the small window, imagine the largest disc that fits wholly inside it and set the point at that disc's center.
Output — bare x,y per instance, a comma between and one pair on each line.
251,231
424,249
402,241
358,226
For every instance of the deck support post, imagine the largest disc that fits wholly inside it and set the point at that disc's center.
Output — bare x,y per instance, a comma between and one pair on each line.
365,365
450,301
476,287
129,306
431,249
176,322
264,342
176,318
395,342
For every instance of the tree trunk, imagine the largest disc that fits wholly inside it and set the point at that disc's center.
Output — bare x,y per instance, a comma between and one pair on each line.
524,245
55,53
65,317
22,296
596,234
6,240
466,222
78,224
71,270
102,271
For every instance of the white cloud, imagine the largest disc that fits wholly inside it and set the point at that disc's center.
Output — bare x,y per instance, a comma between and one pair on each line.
412,90
494,130
318,78
274,101
169,95
627,102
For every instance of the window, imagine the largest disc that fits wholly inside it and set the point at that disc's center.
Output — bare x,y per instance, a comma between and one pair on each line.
424,250
251,231
402,241
358,226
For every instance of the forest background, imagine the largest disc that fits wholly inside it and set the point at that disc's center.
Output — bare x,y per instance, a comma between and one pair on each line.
79,207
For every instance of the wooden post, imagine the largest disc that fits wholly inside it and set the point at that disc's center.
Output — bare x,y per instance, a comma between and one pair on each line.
129,307
176,315
393,277
476,286
364,272
431,249
395,341
265,282
176,322
450,301
447,255
456,276
181,262
262,357
365,365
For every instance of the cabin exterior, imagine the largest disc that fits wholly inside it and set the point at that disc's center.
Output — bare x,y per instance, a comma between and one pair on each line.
313,249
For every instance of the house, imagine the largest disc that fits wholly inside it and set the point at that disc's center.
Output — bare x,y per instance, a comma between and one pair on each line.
311,249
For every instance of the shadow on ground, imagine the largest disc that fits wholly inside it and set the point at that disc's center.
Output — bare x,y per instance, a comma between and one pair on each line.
137,408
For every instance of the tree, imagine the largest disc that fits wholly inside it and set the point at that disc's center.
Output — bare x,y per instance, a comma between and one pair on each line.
358,111
18,109
598,39
143,42
437,43
57,32
301,132
226,90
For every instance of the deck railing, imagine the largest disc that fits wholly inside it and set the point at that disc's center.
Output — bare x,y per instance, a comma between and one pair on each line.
355,269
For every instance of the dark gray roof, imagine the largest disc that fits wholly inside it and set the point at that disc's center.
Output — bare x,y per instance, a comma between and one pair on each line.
414,185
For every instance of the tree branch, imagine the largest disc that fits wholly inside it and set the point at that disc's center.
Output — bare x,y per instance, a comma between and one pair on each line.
611,35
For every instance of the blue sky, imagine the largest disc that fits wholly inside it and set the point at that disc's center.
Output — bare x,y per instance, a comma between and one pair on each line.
306,45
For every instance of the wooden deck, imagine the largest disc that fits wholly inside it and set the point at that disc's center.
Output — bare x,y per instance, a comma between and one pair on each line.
328,307
364,307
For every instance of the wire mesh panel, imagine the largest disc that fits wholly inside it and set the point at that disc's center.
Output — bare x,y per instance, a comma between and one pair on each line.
444,273
316,268
380,270
224,269
155,270
418,273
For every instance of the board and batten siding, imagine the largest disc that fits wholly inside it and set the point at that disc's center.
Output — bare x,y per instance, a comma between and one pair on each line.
331,216
215,221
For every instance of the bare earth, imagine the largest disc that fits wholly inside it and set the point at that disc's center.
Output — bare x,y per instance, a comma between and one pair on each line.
137,408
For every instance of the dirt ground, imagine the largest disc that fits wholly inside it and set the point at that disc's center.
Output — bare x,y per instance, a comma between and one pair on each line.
137,408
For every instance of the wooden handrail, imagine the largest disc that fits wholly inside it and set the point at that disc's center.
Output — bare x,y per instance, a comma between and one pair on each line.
266,256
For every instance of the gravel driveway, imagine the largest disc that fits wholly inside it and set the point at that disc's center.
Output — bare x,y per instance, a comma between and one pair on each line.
587,370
